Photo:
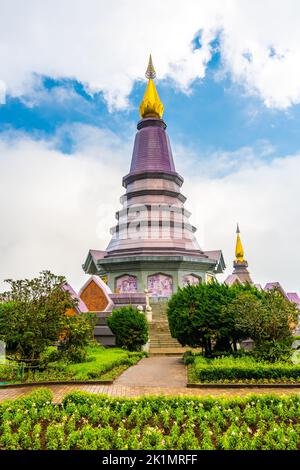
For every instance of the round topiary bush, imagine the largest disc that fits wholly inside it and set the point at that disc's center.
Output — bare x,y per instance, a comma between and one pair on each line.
130,328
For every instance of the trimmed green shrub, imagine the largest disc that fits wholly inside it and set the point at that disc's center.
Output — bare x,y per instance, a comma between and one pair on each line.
229,368
188,357
130,328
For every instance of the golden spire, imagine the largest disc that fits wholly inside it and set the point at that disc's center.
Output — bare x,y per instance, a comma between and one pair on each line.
239,250
150,72
151,106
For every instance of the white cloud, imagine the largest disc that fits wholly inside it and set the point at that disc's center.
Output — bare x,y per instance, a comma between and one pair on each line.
2,92
219,163
54,207
105,45
52,204
263,199
261,51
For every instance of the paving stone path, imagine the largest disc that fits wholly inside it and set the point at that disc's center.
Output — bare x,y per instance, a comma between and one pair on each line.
155,371
152,376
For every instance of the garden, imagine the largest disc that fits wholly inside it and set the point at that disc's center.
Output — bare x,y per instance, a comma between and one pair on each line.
47,341
91,422
219,318
100,364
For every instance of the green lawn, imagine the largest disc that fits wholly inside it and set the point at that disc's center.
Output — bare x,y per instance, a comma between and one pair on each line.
101,364
241,369
100,360
90,422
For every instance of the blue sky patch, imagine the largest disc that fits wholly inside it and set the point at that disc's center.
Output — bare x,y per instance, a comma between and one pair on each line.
216,116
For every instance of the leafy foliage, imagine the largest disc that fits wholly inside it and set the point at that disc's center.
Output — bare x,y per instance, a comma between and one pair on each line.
130,327
32,314
91,422
198,317
79,331
216,317
267,321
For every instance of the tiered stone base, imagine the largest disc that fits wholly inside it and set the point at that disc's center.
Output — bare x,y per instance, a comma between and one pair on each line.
161,341
102,333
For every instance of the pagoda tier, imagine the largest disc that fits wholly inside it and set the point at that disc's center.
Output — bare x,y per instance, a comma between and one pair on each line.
153,219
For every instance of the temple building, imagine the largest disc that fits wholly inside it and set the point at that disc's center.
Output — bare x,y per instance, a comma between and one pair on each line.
153,244
240,274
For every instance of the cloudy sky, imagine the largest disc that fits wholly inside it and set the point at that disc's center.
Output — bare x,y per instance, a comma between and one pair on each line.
71,79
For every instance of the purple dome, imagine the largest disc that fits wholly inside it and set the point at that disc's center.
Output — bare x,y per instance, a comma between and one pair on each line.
152,150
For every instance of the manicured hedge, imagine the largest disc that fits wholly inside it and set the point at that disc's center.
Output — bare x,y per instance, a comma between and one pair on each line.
91,422
228,368
130,327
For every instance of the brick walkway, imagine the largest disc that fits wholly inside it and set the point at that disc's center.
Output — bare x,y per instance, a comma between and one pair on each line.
59,391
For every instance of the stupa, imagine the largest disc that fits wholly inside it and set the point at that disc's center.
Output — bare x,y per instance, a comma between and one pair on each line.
153,244
240,274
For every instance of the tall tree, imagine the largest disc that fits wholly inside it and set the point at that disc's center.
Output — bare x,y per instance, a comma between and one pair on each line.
197,316
32,314
269,321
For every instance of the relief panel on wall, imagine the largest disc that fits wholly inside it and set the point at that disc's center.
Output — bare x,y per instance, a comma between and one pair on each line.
126,284
160,285
190,279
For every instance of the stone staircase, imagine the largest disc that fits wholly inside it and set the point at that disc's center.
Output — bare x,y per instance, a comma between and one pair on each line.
161,341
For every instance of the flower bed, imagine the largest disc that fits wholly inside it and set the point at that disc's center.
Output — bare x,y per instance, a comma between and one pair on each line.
91,422
241,369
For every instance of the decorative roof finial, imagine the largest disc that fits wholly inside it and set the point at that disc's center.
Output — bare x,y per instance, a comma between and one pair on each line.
239,250
150,72
151,105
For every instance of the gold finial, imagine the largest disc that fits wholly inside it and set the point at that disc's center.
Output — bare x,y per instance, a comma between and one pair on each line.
239,250
151,106
150,72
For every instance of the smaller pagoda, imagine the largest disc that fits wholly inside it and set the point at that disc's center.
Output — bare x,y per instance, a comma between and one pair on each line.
240,274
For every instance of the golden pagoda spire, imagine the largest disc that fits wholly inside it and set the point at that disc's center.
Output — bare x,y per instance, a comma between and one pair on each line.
150,72
239,250
151,106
